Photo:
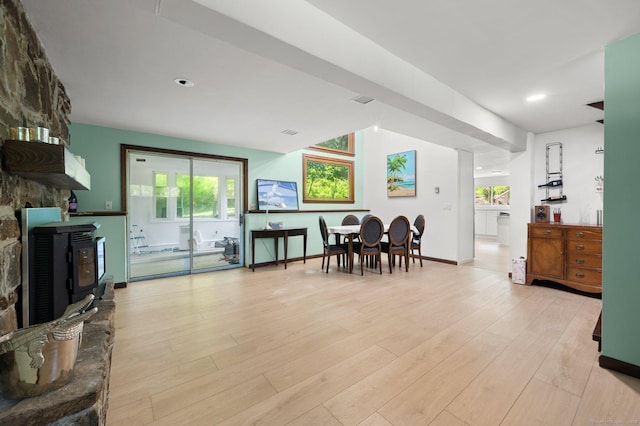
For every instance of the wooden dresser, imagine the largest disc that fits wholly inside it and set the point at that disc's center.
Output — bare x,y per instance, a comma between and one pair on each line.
567,254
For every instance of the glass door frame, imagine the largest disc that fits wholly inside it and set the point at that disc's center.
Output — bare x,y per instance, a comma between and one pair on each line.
242,186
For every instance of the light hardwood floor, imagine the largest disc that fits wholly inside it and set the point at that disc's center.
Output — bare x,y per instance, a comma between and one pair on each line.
440,345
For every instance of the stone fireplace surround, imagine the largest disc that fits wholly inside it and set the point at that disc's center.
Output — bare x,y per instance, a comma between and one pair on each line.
32,95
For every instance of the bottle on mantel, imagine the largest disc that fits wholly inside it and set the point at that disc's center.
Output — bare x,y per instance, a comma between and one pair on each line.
73,203
551,184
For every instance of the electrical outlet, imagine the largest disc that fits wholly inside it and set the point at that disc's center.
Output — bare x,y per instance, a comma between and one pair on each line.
108,205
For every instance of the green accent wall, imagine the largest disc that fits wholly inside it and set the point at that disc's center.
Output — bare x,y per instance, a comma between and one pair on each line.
621,289
100,146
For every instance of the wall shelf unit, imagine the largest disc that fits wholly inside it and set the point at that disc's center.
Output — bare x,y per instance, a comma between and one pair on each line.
50,164
554,183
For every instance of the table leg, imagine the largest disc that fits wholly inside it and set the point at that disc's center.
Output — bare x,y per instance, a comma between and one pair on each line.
304,249
286,247
350,253
253,254
275,243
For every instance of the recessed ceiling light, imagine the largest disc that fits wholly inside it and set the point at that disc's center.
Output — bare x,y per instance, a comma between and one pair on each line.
479,168
496,172
536,97
375,128
184,82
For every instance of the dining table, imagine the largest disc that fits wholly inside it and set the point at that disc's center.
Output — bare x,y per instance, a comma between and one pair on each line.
350,231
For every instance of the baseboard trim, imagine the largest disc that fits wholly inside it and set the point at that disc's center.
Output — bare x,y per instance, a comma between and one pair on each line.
315,256
281,261
619,366
435,259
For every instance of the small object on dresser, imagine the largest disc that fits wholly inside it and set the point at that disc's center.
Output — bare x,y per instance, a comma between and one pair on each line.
276,225
541,214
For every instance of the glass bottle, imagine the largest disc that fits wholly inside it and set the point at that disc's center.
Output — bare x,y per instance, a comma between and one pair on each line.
73,203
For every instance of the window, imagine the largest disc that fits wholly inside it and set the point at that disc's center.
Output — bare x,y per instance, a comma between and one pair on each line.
182,196
205,196
161,195
231,197
340,145
493,195
327,180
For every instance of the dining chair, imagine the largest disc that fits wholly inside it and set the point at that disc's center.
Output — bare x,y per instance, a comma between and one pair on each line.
364,217
330,249
349,219
399,234
416,239
371,232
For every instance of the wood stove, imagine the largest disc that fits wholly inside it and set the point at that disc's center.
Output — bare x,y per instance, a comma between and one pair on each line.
66,262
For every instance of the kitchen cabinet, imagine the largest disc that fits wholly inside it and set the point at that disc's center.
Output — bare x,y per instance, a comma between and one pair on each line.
567,254
486,222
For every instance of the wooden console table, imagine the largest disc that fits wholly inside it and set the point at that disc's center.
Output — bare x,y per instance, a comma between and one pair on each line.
285,233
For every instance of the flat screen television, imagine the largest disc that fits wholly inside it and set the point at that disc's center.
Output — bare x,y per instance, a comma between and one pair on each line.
274,195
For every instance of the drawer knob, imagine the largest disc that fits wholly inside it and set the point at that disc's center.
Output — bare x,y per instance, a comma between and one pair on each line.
579,247
579,275
546,232
579,260
579,234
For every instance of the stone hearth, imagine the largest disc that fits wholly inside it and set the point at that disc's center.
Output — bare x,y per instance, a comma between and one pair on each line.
83,401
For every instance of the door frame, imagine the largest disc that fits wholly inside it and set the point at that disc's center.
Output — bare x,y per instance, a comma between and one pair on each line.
242,162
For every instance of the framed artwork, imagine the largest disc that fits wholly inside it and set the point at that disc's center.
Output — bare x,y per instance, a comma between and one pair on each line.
327,180
340,145
277,195
401,174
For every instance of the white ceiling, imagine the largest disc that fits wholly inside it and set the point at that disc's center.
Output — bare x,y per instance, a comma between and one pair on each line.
451,72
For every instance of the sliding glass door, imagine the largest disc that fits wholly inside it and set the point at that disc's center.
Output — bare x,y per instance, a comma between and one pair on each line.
184,214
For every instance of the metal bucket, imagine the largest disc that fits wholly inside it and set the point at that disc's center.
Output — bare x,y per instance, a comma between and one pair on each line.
20,377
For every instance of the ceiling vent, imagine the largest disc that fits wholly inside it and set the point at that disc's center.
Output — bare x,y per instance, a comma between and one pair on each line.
289,132
363,100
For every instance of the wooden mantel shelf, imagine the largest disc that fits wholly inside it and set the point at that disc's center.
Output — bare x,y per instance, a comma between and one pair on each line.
50,164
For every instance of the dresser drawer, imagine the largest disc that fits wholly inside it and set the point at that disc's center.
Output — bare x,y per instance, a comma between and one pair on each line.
583,260
585,276
581,234
585,247
545,232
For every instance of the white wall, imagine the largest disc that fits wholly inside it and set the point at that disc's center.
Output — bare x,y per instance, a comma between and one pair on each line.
466,202
436,166
521,183
580,167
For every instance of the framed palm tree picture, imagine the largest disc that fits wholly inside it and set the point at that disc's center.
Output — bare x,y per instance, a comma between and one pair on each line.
401,174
